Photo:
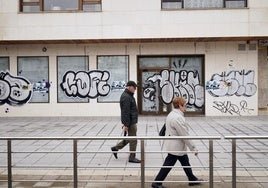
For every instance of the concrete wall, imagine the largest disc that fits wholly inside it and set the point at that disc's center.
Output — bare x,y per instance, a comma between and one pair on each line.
130,19
221,58
133,19
263,77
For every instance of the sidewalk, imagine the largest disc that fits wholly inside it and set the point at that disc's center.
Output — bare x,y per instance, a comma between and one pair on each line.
253,166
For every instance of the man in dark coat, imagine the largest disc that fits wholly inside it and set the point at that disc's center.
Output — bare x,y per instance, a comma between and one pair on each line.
129,119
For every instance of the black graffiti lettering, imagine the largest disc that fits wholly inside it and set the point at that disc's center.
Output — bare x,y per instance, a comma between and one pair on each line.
174,64
185,62
229,107
14,90
180,63
86,84
226,107
244,107
4,91
183,75
149,93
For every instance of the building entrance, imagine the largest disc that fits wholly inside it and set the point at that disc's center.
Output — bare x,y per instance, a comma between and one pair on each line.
163,78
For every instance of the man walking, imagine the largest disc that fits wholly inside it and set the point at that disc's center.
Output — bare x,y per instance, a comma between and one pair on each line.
129,119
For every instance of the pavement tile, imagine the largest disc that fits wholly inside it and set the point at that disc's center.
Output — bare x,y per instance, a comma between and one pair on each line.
95,166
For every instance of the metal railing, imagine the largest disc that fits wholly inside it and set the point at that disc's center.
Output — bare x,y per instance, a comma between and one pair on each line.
234,152
75,152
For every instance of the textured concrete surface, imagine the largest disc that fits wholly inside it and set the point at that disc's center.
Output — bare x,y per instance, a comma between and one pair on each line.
49,162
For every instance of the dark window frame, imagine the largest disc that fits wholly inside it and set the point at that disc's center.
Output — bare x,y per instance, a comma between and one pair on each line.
40,4
182,4
245,2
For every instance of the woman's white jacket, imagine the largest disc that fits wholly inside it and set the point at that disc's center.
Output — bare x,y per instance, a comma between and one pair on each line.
176,126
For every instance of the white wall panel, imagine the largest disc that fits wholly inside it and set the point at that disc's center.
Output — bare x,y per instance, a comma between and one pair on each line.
133,19
218,58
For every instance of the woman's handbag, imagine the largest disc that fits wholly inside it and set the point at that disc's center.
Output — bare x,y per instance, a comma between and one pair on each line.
163,130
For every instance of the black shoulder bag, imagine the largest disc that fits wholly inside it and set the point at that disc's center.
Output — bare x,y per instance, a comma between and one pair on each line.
163,130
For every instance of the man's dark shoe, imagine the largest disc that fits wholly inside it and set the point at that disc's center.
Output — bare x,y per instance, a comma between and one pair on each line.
114,150
196,183
134,160
156,185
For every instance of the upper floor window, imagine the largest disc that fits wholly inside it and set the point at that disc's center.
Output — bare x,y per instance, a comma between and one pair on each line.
203,4
59,5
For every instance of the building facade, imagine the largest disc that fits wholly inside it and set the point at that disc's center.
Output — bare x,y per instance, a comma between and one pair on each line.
73,58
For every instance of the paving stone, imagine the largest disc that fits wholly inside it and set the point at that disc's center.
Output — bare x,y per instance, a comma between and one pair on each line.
97,166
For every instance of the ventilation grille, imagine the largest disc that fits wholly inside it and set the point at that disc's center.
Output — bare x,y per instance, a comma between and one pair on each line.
241,47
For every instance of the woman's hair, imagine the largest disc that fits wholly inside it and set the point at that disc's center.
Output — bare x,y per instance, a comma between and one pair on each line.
178,101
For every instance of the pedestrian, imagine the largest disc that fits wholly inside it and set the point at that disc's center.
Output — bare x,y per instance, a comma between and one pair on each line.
129,119
177,149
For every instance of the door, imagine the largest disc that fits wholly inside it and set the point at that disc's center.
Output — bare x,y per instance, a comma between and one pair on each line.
151,102
161,78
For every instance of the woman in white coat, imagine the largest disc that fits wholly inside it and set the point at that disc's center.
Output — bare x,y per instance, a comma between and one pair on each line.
177,149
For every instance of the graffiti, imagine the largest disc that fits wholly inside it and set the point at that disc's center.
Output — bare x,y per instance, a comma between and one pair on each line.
216,85
176,83
229,107
118,85
86,84
14,90
239,83
180,63
41,87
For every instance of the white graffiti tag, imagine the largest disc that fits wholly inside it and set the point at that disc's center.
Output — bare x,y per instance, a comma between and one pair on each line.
86,84
236,83
14,90
172,84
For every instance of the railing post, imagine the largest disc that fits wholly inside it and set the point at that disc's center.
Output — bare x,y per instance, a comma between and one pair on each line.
211,164
233,163
142,164
75,163
9,164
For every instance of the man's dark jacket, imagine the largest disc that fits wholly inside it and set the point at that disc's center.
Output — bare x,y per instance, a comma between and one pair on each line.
129,111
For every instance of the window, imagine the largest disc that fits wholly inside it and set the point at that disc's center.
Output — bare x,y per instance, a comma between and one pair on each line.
197,4
59,5
117,66
235,3
68,74
35,69
4,64
203,4
172,4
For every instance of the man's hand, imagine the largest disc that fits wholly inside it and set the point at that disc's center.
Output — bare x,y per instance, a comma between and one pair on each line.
125,128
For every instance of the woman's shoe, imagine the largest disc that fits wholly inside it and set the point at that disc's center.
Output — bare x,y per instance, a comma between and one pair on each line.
156,185
196,183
